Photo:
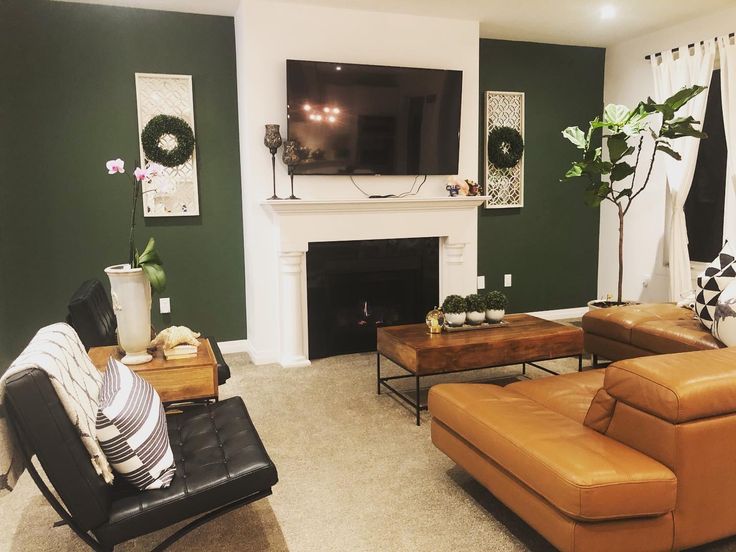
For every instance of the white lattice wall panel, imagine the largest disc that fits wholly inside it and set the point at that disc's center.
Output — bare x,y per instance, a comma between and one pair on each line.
504,187
175,193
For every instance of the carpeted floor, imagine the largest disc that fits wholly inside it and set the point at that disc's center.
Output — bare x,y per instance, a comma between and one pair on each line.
355,474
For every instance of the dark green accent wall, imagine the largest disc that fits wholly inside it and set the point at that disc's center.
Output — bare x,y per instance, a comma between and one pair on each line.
550,246
67,105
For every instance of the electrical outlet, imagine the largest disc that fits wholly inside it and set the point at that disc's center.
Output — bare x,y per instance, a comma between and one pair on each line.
507,280
164,305
481,282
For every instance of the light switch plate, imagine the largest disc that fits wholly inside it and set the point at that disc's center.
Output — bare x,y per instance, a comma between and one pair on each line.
164,305
507,280
481,282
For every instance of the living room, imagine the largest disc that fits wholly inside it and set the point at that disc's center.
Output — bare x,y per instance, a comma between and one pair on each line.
356,456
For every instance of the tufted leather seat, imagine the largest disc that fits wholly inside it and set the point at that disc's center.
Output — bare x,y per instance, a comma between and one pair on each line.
219,458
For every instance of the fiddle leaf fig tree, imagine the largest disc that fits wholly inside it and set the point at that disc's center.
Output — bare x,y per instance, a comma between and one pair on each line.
617,176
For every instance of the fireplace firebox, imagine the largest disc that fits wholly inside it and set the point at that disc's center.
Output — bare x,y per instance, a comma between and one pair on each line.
354,287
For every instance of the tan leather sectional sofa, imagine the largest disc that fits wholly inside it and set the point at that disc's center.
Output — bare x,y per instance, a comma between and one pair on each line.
640,456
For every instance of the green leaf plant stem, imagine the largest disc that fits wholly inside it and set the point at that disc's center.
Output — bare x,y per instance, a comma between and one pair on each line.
623,132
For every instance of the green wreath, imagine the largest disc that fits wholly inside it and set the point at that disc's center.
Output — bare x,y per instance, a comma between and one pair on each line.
505,147
177,127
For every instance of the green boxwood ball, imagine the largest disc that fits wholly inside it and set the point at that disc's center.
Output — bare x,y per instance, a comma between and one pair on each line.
505,147
179,129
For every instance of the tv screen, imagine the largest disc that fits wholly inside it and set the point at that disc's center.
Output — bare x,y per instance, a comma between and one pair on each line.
366,119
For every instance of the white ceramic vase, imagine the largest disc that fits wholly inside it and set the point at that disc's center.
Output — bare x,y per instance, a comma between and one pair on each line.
475,317
494,316
454,318
131,301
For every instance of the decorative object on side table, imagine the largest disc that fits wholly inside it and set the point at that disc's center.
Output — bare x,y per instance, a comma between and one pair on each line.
495,305
272,140
455,309
475,308
614,178
435,319
290,157
131,283
177,342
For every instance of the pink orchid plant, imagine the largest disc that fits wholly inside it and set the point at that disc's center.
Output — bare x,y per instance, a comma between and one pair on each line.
149,259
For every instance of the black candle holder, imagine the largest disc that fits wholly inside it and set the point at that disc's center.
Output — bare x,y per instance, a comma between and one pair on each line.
291,159
272,140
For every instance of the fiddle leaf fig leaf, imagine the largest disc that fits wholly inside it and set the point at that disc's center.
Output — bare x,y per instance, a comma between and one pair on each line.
615,114
617,146
669,151
575,171
576,136
681,97
621,171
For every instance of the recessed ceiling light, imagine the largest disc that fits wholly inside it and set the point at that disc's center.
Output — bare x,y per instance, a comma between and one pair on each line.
608,11
338,68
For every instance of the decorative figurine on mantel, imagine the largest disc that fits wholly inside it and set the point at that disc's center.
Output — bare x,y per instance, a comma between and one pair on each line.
291,159
273,142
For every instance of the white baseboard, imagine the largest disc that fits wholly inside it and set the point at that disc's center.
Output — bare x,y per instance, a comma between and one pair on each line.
561,314
236,346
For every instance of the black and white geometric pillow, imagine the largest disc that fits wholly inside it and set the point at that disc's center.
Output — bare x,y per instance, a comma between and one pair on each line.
131,429
712,282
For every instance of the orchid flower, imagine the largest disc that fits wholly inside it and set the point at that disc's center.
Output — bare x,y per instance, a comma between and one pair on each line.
115,166
153,169
140,174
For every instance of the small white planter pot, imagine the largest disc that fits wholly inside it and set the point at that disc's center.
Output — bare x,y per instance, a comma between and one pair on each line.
131,301
476,317
494,316
454,318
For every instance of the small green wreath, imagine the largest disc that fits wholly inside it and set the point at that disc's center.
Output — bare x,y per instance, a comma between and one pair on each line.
505,147
162,125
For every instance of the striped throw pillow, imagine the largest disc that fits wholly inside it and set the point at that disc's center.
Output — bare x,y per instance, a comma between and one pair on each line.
131,429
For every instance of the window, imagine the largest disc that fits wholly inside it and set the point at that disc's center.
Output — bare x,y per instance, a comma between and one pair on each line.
704,205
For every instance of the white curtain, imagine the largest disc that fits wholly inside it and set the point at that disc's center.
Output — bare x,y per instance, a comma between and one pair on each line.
727,52
671,75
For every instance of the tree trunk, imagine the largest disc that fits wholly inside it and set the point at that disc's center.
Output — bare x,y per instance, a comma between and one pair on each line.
620,254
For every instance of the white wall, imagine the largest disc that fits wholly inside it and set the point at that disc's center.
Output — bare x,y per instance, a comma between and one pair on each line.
628,79
268,33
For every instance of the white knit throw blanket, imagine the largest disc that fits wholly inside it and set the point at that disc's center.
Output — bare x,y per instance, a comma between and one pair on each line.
57,350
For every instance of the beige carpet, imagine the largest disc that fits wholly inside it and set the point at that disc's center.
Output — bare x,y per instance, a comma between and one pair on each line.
355,474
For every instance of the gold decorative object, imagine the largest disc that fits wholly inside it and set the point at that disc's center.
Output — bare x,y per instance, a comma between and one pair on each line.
175,335
435,320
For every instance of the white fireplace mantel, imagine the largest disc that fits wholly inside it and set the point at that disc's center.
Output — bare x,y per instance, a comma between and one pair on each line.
453,220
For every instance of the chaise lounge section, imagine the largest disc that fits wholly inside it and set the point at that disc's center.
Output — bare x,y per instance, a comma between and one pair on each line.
640,456
641,330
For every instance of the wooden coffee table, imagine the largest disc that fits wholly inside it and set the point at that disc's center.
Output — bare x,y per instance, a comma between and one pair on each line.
522,339
180,380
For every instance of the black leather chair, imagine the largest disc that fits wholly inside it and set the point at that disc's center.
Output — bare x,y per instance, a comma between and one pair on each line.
221,464
91,315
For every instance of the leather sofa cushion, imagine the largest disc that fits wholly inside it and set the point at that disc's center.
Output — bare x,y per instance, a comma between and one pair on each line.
584,474
678,388
617,322
673,336
567,394
219,459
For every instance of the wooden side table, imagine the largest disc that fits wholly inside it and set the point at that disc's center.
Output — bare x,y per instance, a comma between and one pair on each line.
179,380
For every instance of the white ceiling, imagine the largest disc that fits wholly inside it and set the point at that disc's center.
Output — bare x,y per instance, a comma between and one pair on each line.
556,21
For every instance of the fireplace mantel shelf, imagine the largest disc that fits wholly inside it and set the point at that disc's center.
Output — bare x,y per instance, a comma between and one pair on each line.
376,204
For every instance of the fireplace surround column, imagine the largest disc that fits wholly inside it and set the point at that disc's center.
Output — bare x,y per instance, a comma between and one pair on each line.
456,279
291,309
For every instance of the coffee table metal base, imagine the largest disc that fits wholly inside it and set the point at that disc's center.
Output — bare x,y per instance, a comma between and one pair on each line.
416,405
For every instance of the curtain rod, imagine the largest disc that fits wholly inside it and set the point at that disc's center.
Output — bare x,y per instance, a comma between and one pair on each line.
675,50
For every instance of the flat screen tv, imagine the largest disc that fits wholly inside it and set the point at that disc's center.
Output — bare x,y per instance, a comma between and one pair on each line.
375,120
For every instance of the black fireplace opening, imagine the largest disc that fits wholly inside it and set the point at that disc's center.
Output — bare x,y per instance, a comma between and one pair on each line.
354,287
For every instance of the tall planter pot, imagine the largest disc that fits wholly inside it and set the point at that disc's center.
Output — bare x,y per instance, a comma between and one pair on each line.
131,300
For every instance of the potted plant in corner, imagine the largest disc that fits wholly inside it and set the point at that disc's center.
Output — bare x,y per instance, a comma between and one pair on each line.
613,177
495,306
454,308
475,308
131,283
